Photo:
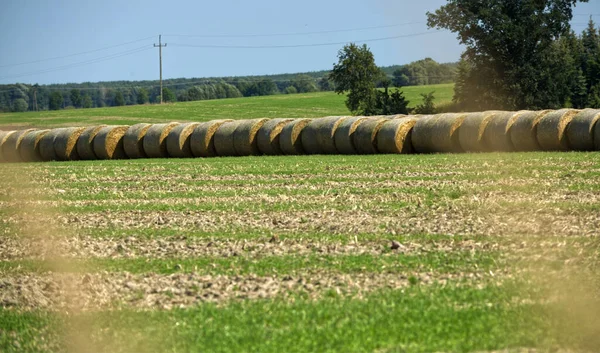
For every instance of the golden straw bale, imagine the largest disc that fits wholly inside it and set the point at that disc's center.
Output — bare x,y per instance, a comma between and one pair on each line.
523,132
344,134
438,133
85,143
496,136
290,139
269,135
470,134
30,146
133,141
178,140
224,136
155,140
65,144
365,136
3,136
108,143
551,130
46,145
10,147
318,135
202,139
244,139
395,136
581,130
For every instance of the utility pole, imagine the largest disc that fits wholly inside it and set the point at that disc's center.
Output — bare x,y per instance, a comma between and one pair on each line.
160,46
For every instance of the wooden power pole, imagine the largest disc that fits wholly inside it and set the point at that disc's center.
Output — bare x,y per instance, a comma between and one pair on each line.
160,46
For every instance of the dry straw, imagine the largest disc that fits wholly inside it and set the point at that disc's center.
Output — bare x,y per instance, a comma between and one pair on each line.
133,141
245,140
178,140
365,136
108,143
437,133
421,134
581,130
290,139
470,134
10,147
395,136
85,143
30,146
65,144
155,140
344,134
523,132
496,136
551,130
318,135
224,146
202,139
269,135
46,145
3,136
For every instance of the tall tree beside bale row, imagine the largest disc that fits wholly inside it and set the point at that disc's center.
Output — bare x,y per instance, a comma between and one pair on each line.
511,59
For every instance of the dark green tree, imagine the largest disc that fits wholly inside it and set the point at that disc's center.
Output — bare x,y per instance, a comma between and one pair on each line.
20,105
513,62
304,84
427,107
75,98
119,100
168,95
142,96
87,101
56,100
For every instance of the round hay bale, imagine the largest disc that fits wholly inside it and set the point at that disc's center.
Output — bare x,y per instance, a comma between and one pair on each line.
290,139
523,132
269,135
421,134
155,140
395,136
178,140
85,142
439,134
244,139
224,146
3,136
470,134
551,130
365,136
344,134
133,141
46,145
65,144
496,136
202,139
580,132
326,132
30,146
108,143
10,147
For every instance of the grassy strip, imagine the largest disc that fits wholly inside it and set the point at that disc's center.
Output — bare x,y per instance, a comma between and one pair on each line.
416,319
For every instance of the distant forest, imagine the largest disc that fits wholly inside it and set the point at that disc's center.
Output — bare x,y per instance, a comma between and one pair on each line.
25,97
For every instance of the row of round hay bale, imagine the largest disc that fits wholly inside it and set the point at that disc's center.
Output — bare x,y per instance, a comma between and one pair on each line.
290,139
438,133
10,146
155,140
245,139
108,143
583,133
30,146
224,145
85,143
268,138
523,131
318,137
178,140
394,136
344,135
46,145
365,136
133,140
202,139
551,130
470,134
496,135
65,143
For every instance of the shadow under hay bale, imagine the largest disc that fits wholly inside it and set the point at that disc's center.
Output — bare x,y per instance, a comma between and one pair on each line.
244,139
85,143
523,132
10,147
178,141
202,139
133,141
290,139
580,131
30,146
108,143
395,136
344,134
224,136
269,135
551,130
470,133
365,136
496,136
155,140
65,144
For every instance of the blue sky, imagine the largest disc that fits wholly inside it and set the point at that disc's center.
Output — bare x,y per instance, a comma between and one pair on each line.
36,30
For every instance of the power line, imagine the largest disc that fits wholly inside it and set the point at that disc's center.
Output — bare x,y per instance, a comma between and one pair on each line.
76,54
292,33
301,45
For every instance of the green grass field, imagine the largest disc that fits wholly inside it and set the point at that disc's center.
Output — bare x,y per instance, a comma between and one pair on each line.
310,105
